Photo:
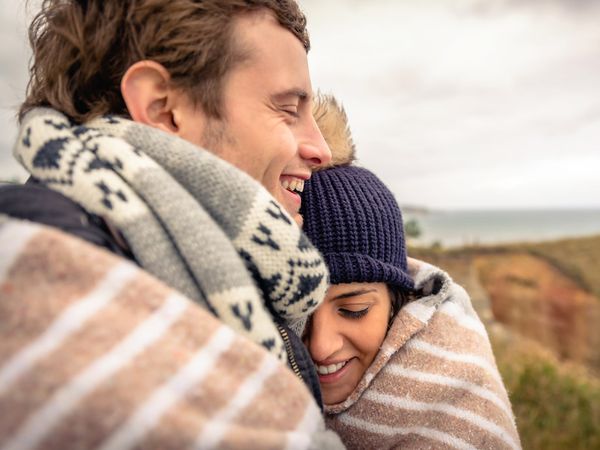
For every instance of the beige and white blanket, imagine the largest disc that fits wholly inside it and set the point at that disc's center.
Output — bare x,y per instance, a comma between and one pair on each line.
95,353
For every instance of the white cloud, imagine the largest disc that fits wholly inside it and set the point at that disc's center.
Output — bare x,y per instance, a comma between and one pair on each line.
456,105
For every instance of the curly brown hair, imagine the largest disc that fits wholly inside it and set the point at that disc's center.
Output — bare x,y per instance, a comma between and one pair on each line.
82,48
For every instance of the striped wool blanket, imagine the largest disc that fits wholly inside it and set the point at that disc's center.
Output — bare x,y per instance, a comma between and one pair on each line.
434,383
97,353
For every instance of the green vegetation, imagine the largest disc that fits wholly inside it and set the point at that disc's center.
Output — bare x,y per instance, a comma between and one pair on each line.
412,229
556,406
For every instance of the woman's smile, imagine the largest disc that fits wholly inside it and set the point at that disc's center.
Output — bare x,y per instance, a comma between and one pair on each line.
333,373
345,334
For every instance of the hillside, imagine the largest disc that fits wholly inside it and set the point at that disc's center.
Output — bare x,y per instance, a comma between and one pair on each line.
576,258
541,306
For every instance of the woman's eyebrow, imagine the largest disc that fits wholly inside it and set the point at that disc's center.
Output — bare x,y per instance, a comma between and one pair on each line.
353,293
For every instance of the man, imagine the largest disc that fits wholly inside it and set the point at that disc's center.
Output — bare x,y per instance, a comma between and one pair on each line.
97,352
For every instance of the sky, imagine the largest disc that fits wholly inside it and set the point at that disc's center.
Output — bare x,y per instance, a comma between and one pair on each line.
455,104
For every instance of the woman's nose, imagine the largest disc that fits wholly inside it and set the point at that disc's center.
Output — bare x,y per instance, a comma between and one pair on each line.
324,340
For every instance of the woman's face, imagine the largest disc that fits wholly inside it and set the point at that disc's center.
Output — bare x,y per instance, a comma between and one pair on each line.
346,333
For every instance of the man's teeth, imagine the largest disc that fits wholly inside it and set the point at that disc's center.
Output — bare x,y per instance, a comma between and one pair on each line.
331,368
294,185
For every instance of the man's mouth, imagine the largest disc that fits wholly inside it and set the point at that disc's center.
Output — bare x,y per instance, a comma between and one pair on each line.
331,368
295,185
290,195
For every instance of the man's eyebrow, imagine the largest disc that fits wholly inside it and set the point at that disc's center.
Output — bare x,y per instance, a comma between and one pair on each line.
355,293
300,93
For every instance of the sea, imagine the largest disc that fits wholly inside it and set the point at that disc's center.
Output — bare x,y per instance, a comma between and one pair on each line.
474,227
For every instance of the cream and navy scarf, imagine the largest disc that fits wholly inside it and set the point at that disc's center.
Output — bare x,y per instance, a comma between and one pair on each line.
194,221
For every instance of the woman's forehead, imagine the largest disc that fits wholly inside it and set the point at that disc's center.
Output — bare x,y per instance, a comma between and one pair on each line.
349,290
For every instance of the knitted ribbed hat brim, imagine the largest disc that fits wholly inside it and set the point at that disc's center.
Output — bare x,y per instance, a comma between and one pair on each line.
359,268
354,220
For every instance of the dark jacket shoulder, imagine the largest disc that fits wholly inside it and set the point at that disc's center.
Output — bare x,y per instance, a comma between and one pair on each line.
35,202
306,367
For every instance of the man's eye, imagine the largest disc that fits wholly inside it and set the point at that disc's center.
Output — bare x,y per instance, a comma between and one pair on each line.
292,112
353,314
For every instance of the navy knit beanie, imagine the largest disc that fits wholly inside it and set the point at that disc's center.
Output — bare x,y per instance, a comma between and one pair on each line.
355,222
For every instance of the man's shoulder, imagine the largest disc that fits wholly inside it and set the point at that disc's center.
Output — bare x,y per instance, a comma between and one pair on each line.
37,203
88,317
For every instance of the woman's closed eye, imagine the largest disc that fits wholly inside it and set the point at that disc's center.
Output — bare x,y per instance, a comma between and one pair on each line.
353,314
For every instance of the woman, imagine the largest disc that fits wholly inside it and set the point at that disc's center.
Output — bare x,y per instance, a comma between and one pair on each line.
403,359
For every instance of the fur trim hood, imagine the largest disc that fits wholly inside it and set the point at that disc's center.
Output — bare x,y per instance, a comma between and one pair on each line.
333,123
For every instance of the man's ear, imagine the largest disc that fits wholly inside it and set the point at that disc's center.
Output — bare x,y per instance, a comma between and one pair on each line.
145,87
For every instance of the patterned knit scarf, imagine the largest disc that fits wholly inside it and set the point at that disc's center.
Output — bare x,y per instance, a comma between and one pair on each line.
194,221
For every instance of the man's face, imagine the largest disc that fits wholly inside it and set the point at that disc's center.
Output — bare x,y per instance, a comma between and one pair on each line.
268,129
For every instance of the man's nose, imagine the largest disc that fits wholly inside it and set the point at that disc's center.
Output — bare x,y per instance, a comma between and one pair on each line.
325,340
313,147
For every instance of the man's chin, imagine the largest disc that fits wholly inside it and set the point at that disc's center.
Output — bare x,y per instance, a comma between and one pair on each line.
291,206
299,219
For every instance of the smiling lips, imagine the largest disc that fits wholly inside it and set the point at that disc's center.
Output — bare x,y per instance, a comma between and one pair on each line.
292,186
331,368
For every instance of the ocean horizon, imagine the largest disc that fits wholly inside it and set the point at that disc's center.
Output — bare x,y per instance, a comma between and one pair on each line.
454,228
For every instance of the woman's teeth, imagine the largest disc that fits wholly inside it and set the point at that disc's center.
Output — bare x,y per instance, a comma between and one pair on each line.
293,185
331,368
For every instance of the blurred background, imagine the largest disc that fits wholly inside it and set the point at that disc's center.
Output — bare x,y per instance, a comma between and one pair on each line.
464,106
483,116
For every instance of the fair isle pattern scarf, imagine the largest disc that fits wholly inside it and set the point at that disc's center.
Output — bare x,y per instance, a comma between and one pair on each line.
194,221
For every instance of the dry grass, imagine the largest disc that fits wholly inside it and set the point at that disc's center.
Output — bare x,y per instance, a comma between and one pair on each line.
577,258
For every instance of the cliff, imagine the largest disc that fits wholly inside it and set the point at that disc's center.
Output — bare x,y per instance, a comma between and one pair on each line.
541,306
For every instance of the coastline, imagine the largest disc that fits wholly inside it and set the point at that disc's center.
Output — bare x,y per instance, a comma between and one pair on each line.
457,228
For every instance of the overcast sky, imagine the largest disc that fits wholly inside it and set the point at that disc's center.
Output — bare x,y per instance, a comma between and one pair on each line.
463,104
454,103
14,54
